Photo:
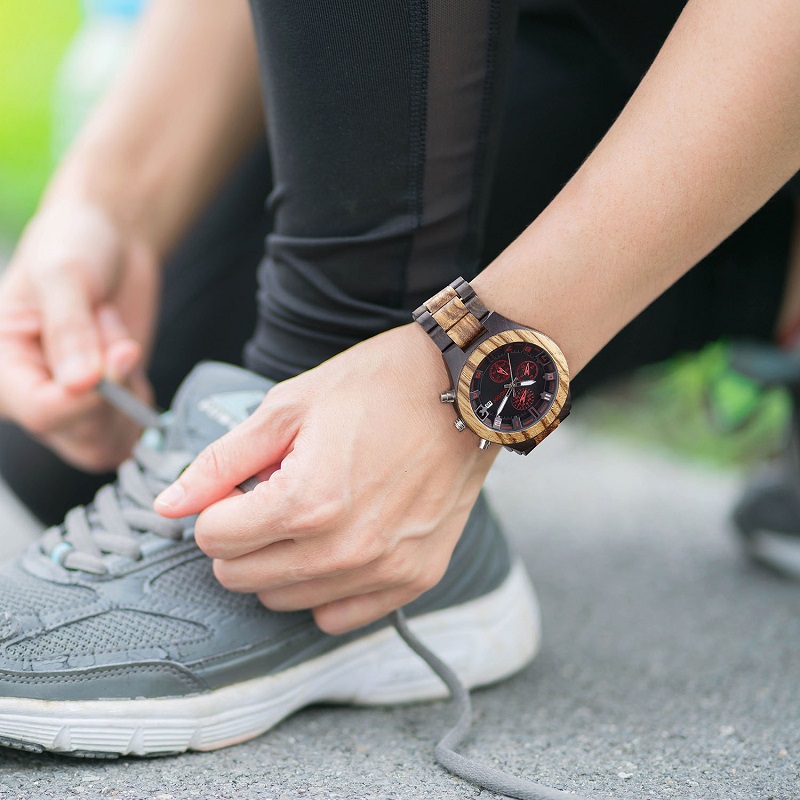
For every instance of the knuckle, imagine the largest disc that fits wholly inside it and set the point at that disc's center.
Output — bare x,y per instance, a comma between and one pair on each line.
215,460
208,539
279,405
395,573
428,577
275,397
299,570
324,514
225,575
328,621
345,557
205,539
275,601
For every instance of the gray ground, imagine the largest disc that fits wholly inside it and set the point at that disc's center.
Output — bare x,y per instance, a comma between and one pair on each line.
670,668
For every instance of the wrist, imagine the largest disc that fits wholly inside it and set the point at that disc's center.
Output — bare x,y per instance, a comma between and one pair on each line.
97,173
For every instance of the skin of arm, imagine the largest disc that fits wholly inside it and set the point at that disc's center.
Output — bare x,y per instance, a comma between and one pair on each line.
354,530
712,132
79,298
185,110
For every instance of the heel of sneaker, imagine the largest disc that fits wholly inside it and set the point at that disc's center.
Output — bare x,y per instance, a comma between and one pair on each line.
483,640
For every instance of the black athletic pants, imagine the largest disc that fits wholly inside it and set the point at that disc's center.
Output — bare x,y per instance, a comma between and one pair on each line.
411,141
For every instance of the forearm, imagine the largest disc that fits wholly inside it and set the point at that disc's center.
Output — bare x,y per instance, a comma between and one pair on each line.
711,133
183,112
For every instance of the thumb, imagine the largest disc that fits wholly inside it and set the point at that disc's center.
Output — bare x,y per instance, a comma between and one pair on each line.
252,448
69,332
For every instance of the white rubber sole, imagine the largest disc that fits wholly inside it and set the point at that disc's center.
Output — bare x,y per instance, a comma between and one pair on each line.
484,640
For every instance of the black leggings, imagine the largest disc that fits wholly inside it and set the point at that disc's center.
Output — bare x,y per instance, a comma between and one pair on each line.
411,141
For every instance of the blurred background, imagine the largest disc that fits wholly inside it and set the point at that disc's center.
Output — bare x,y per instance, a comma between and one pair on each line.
57,57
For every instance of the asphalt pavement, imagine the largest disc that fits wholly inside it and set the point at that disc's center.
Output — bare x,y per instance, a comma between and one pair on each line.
670,667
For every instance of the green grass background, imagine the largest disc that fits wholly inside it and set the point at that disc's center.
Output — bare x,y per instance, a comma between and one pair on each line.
34,35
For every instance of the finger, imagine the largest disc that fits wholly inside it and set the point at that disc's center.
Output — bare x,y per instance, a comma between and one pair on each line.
282,564
255,445
70,334
243,523
376,577
346,615
30,396
123,354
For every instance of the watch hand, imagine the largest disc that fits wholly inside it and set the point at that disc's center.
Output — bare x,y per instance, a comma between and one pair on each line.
500,407
511,375
527,383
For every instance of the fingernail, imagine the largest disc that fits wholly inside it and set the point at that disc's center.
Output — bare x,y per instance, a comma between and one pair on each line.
74,369
171,496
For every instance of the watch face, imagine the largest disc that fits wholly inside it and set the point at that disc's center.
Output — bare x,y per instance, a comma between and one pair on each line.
513,387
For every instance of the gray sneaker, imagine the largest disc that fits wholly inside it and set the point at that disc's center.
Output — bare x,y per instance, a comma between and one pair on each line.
116,639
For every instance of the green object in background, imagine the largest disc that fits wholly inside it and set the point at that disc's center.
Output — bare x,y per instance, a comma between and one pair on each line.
696,406
34,35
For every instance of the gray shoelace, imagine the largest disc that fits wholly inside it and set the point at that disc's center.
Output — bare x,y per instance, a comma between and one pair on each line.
113,523
106,528
469,769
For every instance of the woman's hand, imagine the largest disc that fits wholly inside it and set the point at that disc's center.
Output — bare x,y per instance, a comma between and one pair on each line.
77,303
366,486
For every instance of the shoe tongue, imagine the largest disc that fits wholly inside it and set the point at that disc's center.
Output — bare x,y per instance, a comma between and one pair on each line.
212,400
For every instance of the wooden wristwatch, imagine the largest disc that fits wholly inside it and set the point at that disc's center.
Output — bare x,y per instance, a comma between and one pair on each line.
510,384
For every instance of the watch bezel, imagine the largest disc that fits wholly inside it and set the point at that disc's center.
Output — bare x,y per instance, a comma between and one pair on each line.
473,359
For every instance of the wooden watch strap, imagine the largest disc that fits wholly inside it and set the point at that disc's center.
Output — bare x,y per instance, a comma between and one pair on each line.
453,316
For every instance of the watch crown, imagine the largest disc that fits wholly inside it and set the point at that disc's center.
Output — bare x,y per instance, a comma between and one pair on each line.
460,424
483,444
448,396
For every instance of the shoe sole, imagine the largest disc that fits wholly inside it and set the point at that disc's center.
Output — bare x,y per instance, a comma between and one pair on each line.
484,640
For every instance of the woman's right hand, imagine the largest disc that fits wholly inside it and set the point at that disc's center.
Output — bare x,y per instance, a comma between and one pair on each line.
77,303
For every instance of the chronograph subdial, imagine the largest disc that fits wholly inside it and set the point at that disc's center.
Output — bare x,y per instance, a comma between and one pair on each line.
523,399
500,371
527,370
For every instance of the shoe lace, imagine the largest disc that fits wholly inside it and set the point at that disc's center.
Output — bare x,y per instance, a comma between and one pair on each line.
108,525
470,769
113,524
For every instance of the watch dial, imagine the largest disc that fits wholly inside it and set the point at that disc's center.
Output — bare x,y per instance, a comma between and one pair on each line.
514,386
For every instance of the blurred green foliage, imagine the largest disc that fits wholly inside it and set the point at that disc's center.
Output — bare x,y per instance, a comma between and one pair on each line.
694,405
33,37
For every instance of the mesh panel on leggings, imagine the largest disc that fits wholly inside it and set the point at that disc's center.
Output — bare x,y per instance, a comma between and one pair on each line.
108,633
21,595
384,123
194,583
